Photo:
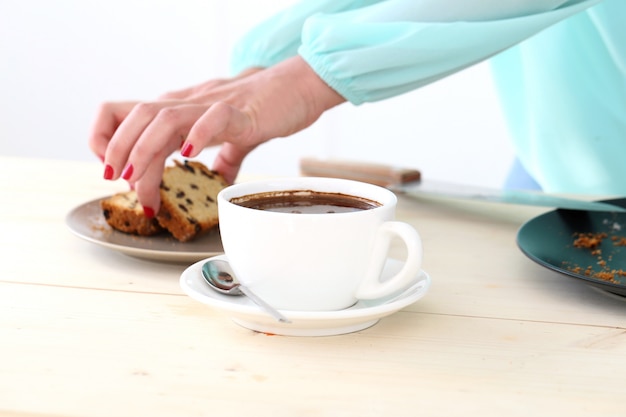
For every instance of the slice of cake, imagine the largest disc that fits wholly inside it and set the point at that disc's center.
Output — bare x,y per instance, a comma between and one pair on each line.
188,204
189,199
123,212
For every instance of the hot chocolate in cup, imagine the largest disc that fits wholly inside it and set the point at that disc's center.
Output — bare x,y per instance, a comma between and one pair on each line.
314,244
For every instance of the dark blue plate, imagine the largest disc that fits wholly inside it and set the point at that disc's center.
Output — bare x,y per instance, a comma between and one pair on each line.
551,240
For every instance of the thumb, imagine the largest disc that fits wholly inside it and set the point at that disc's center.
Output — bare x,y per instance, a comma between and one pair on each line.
229,159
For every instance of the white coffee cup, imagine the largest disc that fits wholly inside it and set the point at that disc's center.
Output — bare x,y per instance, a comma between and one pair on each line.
315,262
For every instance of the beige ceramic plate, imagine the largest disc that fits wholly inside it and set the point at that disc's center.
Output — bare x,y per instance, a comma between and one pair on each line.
87,222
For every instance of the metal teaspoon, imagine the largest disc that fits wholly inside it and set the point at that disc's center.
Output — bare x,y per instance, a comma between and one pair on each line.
220,277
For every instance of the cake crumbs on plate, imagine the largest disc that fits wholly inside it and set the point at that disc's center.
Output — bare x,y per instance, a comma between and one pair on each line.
589,240
592,242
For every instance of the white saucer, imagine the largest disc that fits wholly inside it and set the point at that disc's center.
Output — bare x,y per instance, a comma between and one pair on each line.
363,314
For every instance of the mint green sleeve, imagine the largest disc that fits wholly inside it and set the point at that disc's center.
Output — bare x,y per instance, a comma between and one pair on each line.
563,93
366,56
279,37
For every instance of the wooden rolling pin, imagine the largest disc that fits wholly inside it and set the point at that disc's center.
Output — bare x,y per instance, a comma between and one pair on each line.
373,173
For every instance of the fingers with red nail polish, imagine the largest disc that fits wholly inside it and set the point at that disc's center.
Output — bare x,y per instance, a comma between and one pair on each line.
148,212
108,172
187,150
128,172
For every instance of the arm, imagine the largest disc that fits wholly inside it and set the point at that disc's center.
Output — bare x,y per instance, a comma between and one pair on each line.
456,10
397,46
349,55
134,139
278,37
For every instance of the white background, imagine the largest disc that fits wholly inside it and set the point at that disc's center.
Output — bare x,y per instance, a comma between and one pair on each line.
60,59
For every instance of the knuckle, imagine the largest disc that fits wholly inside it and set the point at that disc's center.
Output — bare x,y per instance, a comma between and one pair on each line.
168,95
106,107
143,151
222,108
146,109
168,115
97,144
115,148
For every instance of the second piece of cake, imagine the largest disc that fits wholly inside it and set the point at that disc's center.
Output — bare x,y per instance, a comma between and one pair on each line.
189,199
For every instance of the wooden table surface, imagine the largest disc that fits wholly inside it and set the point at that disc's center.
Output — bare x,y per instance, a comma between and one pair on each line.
88,331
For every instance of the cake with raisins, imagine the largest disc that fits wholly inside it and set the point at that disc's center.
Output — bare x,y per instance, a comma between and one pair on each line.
189,199
188,204
123,212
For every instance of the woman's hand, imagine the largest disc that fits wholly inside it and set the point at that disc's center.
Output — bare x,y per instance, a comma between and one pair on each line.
135,138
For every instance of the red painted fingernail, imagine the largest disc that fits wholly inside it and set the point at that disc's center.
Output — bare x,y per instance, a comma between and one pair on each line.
108,172
148,212
128,171
187,149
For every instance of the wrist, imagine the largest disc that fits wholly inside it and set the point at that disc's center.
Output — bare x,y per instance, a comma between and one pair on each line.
246,72
314,90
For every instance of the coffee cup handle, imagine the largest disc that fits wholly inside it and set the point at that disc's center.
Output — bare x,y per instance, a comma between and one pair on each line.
372,287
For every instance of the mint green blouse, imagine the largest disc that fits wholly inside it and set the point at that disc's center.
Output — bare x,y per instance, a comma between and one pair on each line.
564,96
561,73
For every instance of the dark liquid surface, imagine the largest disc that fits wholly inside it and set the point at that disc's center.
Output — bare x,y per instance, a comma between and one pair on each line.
305,201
